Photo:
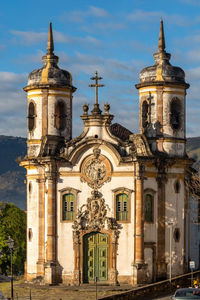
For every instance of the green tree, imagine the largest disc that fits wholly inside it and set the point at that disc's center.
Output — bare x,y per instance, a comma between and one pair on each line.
13,224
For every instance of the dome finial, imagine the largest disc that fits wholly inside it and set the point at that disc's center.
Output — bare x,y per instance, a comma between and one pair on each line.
161,42
50,44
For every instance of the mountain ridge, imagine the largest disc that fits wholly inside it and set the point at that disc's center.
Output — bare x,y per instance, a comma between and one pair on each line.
12,176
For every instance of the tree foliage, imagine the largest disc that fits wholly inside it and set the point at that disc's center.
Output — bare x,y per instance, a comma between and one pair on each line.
13,224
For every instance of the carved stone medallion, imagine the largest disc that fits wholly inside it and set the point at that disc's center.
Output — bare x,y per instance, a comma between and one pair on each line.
96,169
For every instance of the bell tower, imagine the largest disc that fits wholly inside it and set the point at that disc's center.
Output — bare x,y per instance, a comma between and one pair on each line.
49,94
162,96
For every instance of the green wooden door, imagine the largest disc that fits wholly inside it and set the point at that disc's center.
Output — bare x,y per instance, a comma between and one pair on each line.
95,251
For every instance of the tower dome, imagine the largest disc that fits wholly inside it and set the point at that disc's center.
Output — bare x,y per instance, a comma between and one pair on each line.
50,74
162,99
162,70
49,94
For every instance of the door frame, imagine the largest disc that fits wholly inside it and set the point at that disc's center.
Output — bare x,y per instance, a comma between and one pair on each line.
79,259
97,247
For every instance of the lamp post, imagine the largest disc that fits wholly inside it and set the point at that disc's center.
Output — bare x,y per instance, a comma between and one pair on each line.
10,243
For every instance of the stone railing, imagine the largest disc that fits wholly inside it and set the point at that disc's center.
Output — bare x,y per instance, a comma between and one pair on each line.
155,289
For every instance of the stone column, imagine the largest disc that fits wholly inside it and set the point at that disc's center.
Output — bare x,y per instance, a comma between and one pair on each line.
139,266
112,271
77,272
51,255
41,228
139,228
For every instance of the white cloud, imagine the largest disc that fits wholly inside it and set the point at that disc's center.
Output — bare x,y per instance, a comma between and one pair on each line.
29,38
97,12
9,77
109,26
79,16
191,2
154,16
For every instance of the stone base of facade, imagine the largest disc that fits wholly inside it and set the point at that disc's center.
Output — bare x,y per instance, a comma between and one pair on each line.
140,274
50,273
125,279
161,271
40,268
68,280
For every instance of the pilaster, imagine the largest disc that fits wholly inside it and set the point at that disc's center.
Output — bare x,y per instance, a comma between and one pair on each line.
51,255
161,259
41,228
139,267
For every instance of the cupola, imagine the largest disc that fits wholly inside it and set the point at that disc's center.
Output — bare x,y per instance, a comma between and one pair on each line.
49,95
162,90
162,70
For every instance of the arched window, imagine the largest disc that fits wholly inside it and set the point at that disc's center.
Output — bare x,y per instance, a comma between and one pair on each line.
68,207
122,207
60,115
31,116
148,208
145,114
175,114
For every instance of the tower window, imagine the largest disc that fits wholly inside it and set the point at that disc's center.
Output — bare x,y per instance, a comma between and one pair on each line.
175,114
122,202
148,208
31,116
60,115
144,114
68,207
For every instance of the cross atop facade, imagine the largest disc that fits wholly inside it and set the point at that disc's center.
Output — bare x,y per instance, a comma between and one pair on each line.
96,85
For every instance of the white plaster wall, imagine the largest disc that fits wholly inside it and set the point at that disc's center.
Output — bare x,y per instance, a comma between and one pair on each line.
148,258
126,240
32,222
150,229
193,233
174,148
175,214
168,94
167,129
52,99
37,100
52,130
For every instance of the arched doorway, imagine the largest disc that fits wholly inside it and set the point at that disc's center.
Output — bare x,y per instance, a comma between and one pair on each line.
95,257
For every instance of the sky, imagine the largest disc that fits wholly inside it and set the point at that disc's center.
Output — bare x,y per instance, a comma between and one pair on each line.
117,38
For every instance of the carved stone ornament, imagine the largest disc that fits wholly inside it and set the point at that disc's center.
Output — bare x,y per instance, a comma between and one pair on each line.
96,170
93,215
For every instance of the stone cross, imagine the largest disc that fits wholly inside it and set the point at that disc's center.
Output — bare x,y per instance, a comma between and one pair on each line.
96,85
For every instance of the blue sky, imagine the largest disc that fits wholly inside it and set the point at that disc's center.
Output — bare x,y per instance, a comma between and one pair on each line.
117,38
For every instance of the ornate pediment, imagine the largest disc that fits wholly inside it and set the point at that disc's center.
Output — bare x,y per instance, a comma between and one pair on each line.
93,215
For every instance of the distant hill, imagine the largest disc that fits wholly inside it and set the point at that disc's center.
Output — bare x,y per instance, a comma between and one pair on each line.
12,187
12,177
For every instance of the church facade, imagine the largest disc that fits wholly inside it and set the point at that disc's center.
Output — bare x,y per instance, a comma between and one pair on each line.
106,204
